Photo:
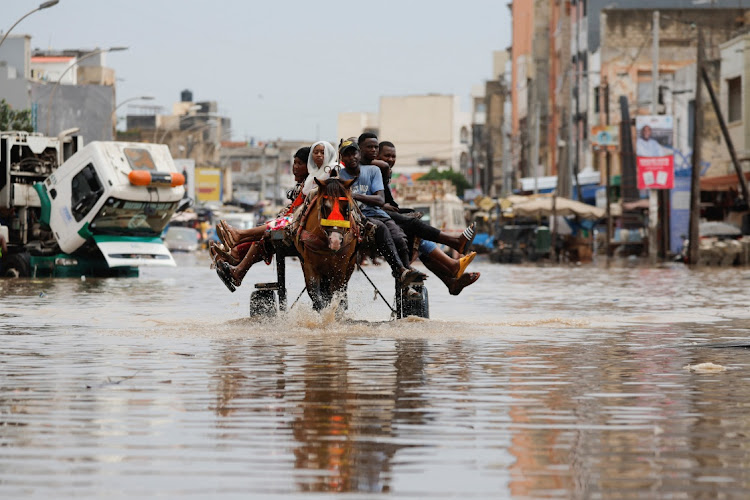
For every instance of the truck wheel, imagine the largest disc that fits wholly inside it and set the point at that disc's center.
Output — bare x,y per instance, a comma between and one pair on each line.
263,303
17,265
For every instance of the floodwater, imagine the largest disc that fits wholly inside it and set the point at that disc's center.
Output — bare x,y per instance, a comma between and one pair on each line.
536,382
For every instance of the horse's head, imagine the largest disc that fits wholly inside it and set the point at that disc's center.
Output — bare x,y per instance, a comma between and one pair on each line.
335,207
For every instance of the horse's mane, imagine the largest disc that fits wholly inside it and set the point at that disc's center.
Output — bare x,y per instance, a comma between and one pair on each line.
335,188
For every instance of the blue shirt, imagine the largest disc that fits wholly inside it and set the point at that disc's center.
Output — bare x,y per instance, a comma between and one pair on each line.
369,181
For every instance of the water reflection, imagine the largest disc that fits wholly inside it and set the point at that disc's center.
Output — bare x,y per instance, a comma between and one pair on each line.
342,402
539,383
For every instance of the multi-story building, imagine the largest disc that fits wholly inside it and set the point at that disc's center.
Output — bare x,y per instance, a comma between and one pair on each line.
64,89
626,60
428,130
260,171
572,68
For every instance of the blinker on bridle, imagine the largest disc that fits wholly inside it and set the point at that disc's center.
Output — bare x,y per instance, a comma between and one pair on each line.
335,218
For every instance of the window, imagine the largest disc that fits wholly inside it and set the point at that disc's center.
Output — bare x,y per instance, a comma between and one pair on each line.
645,90
139,159
132,218
87,189
734,105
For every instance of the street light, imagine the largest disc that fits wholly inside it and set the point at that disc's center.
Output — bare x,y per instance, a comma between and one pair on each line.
43,5
57,83
139,98
114,111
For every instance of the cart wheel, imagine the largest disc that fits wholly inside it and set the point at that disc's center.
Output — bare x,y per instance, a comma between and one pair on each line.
419,306
263,303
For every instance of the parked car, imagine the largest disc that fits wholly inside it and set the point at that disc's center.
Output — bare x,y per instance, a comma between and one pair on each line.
182,239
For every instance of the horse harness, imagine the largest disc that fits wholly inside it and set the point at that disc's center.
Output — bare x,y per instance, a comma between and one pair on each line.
336,220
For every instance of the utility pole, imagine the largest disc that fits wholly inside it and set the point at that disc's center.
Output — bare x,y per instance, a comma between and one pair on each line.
695,192
577,90
653,194
608,172
535,148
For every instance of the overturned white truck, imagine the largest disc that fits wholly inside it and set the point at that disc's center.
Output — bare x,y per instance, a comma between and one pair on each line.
98,210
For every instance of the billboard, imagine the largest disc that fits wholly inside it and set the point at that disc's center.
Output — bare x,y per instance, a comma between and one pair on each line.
208,184
605,136
655,152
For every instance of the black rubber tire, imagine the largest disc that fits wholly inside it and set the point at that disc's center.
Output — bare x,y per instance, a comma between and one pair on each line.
263,303
17,265
419,306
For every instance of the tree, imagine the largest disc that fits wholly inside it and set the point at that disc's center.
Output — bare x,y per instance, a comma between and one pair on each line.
457,178
14,120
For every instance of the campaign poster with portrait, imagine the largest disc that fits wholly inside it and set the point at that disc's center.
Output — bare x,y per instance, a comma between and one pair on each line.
654,151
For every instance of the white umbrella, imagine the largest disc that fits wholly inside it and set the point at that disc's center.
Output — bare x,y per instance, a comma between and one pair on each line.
562,206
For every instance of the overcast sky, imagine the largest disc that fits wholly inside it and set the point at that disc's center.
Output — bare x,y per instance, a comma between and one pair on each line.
280,68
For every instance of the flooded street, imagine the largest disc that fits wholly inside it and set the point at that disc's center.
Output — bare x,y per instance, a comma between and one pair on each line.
569,382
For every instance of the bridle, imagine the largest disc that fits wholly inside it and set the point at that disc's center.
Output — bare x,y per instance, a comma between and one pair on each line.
336,218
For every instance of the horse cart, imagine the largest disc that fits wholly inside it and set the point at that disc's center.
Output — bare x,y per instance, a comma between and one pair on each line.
269,298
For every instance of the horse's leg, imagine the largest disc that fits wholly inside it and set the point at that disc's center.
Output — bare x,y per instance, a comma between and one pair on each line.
312,281
326,292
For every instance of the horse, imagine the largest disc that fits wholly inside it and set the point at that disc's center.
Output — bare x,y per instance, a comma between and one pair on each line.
327,240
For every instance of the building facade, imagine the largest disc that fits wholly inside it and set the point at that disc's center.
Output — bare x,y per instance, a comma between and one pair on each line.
428,130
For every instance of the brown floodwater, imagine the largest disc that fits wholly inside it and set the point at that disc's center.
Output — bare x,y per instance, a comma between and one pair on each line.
537,381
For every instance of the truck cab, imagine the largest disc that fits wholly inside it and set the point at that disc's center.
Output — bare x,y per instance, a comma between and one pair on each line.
119,195
99,210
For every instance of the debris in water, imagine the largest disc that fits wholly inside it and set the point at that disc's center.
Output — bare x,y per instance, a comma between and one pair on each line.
705,368
42,294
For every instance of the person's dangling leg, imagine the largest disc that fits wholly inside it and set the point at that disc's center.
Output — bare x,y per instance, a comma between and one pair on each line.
254,254
386,247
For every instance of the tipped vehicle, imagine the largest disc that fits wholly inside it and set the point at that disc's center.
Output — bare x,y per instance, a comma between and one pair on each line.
98,210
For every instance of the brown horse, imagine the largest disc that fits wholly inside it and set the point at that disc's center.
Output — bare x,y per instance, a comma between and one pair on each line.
327,241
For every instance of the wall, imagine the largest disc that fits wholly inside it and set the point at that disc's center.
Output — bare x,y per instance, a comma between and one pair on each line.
735,62
353,124
15,52
420,126
88,107
50,68
558,85
626,60
14,71
95,75
523,30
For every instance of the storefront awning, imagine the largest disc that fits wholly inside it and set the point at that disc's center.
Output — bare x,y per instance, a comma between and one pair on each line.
722,182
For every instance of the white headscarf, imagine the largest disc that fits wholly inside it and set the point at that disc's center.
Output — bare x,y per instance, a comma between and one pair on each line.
329,160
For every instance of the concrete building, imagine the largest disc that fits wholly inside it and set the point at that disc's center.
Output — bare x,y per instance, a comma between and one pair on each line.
734,93
15,71
560,87
84,98
530,86
262,171
557,61
478,148
428,130
626,68
196,129
349,123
